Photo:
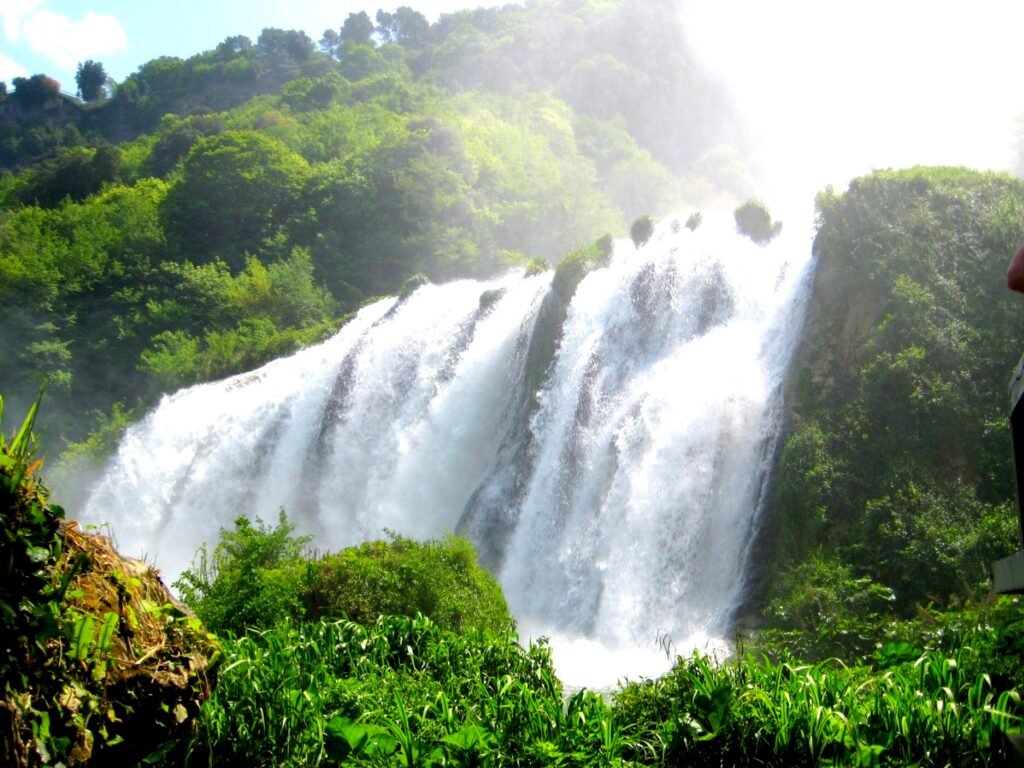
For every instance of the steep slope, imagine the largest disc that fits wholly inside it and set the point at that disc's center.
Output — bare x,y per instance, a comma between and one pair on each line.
897,463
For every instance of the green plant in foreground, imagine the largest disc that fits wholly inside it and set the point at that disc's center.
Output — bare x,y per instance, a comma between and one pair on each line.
28,547
928,711
250,580
258,577
401,687
403,692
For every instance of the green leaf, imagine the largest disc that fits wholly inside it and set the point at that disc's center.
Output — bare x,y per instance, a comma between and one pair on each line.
81,637
105,637
469,737
22,440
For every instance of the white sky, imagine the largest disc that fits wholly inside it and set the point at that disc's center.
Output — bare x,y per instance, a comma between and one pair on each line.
834,90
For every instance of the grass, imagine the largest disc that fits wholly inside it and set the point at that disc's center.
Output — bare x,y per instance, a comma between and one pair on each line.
402,692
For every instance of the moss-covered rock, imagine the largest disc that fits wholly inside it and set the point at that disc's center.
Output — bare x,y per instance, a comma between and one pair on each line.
99,664
578,264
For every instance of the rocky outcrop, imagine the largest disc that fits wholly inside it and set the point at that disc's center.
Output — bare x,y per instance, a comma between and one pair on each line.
99,664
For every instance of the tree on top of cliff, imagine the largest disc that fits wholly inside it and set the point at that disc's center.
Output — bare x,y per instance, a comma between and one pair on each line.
91,79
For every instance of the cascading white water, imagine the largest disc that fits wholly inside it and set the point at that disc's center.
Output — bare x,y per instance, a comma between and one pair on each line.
617,503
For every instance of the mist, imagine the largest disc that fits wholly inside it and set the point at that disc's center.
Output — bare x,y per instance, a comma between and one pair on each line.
829,91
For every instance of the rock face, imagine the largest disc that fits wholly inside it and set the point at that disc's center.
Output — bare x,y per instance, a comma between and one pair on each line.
99,664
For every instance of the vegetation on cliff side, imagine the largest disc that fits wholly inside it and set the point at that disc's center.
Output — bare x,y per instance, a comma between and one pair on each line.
896,470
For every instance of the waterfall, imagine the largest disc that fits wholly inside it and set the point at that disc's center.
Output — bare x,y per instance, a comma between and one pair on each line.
617,499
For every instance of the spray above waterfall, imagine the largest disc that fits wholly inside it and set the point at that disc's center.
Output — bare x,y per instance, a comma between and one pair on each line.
615,495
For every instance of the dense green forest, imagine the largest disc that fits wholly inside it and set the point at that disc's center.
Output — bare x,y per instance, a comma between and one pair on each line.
219,211
894,489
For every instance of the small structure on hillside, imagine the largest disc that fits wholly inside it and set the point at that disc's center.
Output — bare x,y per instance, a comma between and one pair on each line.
1008,573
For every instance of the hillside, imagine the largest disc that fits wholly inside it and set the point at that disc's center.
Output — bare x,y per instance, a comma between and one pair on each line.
894,487
225,209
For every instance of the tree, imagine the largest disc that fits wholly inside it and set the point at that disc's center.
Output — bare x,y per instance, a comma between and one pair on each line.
234,192
357,30
92,80
405,27
75,174
641,230
754,221
177,137
330,43
280,45
232,46
33,92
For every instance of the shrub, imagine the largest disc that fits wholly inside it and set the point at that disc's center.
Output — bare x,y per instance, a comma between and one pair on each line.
252,579
401,577
641,230
754,221
257,577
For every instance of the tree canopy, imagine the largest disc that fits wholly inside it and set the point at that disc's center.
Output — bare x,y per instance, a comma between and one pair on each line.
91,78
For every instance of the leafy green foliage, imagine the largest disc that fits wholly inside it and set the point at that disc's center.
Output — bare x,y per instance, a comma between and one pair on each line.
754,220
29,548
176,136
827,611
898,462
931,709
75,175
234,323
31,93
440,579
235,190
250,580
402,691
257,577
399,689
91,79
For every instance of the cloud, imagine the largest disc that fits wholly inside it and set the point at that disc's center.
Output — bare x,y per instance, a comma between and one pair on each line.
12,12
10,69
68,42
